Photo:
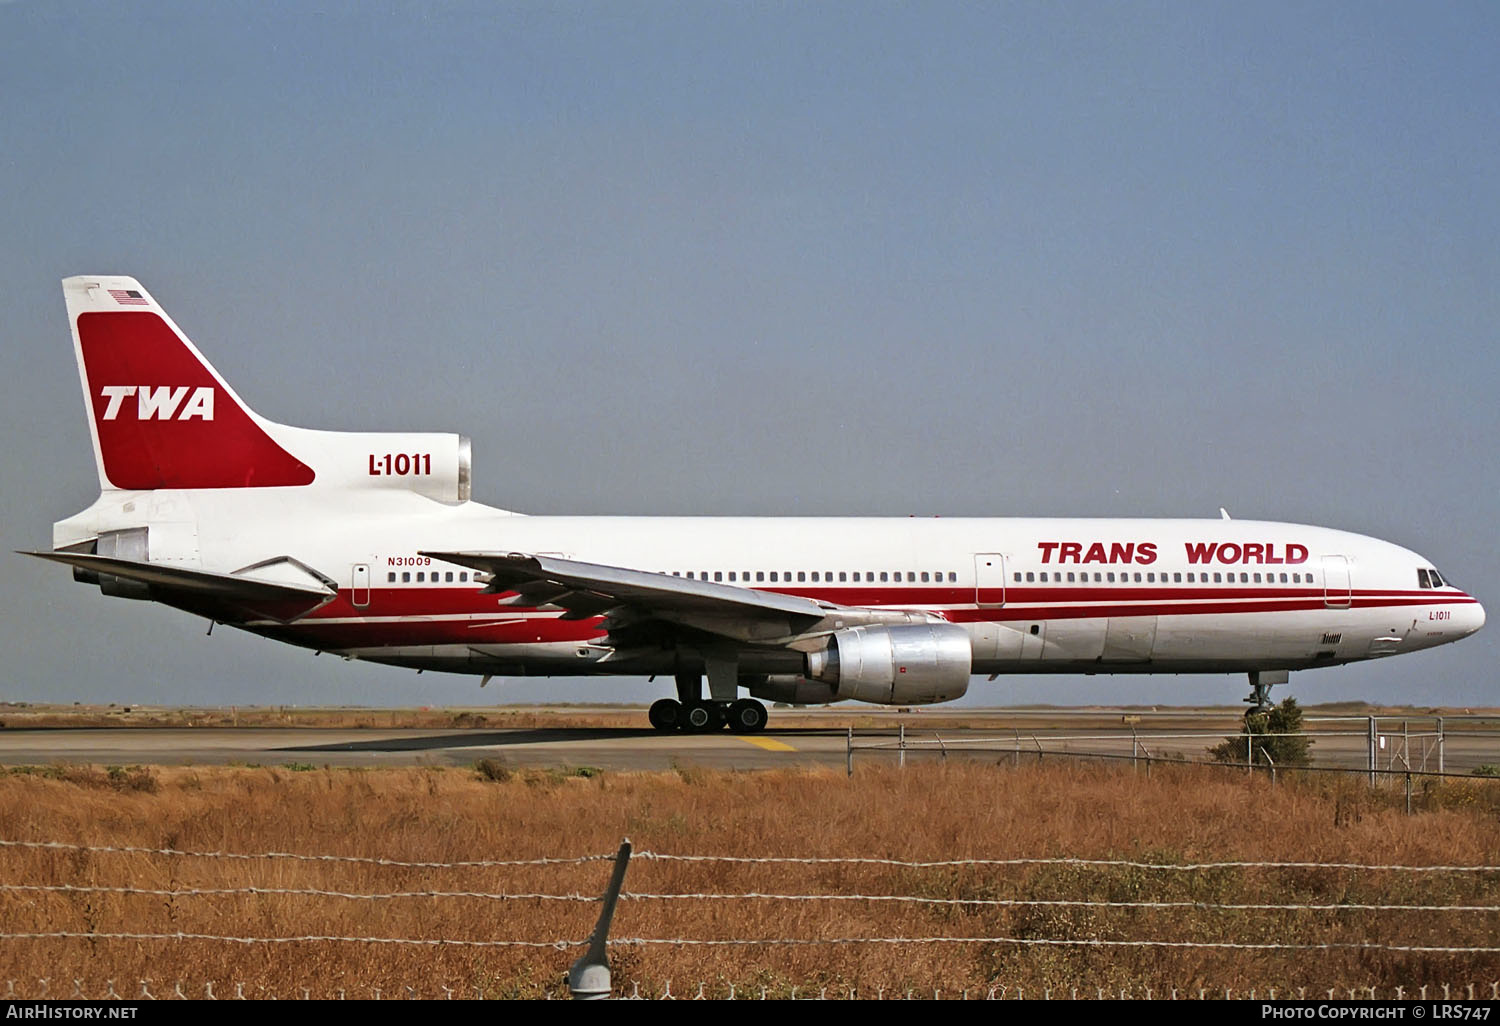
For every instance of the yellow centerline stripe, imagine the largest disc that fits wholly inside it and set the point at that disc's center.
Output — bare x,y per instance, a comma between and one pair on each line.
769,744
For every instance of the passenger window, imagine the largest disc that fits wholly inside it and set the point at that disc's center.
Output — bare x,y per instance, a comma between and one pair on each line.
815,575
1218,579
801,575
1070,577
1257,578
448,577
760,575
952,577
773,576
1111,577
1244,578
421,576
463,576
882,575
1177,577
1030,576
1137,578
1283,578
1018,577
390,578
406,577
924,577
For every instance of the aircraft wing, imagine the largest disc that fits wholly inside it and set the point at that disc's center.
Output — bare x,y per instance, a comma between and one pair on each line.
627,596
284,600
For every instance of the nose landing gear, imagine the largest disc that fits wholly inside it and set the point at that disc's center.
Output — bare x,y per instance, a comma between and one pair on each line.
1261,682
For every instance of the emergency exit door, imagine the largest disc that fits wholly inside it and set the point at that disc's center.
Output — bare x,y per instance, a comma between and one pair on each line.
989,579
360,585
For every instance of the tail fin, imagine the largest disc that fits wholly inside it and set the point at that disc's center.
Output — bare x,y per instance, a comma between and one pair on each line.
162,417
159,414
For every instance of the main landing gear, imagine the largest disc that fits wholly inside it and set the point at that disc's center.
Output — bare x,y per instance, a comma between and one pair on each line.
691,714
744,716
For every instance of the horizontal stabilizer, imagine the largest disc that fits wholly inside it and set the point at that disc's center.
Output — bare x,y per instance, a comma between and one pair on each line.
281,600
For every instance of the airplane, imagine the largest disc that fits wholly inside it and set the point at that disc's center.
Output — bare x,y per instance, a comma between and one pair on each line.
369,546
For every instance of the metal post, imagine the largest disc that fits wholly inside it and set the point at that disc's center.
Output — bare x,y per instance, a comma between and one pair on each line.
1408,791
588,979
1135,751
1440,743
1017,760
901,744
849,753
1374,758
1249,751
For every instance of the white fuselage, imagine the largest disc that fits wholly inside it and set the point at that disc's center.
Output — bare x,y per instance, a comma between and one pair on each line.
1034,595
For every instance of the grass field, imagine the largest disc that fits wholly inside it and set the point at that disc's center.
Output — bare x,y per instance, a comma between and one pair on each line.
927,812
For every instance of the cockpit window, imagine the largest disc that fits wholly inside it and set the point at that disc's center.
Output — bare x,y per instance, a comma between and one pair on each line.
1437,580
1423,579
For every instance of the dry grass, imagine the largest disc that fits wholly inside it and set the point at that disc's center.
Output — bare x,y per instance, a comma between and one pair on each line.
928,811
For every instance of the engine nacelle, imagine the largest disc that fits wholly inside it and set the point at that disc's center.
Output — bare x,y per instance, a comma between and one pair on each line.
906,665
791,689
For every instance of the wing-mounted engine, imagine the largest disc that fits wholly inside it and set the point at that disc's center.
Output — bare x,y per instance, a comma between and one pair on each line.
916,664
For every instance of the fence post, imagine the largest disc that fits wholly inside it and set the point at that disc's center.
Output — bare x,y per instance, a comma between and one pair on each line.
588,979
1374,758
1249,752
1408,790
1440,743
1135,751
849,753
901,745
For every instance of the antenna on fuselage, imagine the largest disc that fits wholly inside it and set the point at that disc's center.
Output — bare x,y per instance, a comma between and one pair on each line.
1224,514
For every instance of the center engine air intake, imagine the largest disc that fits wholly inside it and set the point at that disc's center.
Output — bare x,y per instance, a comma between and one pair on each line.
906,665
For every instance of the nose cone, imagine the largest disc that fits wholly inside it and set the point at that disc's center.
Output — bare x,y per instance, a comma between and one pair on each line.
1473,617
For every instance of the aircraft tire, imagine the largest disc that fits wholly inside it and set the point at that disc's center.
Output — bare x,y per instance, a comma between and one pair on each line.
665,714
747,716
701,718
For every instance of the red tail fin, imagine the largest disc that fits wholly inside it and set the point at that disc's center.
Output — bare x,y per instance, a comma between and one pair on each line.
160,415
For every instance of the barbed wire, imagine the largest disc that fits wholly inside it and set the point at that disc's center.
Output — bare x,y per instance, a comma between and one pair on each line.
748,896
652,856
174,892
817,992
743,942
313,938
1060,861
361,859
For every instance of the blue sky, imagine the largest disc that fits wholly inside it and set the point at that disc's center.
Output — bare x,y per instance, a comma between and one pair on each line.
969,259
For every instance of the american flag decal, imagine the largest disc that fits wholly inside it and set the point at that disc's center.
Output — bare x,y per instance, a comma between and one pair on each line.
128,297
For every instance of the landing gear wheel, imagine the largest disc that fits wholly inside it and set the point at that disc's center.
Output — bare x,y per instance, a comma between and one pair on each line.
665,714
701,718
747,716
